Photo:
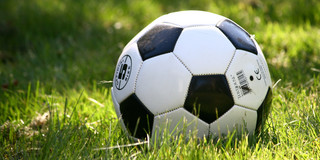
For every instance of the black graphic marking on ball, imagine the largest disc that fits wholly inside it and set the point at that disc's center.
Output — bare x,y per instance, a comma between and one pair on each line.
123,72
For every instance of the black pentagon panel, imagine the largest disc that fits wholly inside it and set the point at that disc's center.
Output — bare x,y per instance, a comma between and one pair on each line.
263,111
238,36
159,40
209,97
136,117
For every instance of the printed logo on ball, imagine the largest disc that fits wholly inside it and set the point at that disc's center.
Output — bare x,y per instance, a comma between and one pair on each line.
123,72
242,88
262,73
244,79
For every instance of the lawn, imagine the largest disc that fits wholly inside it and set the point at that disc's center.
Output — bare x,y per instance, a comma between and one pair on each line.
57,58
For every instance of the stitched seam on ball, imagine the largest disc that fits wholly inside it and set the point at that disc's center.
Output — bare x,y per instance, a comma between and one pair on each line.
186,94
182,63
190,26
168,111
135,82
209,74
245,107
199,25
170,23
234,54
250,108
232,59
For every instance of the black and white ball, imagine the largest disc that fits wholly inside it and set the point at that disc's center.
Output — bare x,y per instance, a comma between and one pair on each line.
191,71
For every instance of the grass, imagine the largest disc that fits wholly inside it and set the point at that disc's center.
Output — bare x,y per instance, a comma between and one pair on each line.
54,55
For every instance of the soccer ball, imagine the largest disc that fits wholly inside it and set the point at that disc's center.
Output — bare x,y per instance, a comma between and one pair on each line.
191,71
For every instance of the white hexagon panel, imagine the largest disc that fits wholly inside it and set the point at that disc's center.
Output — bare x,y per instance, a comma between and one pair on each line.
163,83
192,18
179,121
238,118
126,72
248,79
204,50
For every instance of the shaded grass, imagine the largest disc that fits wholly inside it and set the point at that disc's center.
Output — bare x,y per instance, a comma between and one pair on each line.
53,54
